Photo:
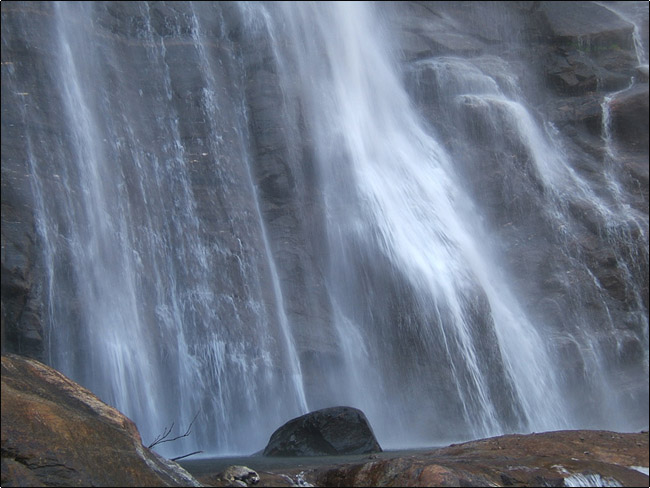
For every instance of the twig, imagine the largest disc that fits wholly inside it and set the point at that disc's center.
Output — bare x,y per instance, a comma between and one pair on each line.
162,438
186,455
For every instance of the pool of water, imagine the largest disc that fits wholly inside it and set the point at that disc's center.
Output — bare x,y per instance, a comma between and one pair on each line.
212,465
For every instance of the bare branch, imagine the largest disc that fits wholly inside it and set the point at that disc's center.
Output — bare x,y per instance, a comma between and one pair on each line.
186,455
163,438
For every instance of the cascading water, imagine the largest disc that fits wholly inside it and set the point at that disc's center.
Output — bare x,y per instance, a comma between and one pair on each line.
137,313
391,192
252,210
482,103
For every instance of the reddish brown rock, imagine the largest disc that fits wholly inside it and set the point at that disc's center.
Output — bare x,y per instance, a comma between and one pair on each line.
545,459
514,460
57,433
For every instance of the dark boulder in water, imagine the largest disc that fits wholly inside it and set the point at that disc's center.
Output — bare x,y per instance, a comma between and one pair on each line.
330,431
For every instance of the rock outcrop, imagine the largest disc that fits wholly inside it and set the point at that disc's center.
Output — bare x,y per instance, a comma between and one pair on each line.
562,458
330,431
546,459
57,433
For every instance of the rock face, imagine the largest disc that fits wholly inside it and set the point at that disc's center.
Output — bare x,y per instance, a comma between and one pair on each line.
330,431
630,117
57,433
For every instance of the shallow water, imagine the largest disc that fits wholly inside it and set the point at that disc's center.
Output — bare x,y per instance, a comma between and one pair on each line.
211,465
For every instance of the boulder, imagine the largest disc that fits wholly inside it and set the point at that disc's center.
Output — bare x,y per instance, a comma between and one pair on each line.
330,431
57,433
240,476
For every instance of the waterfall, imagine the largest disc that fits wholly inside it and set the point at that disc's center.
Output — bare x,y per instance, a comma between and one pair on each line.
250,210
409,209
136,312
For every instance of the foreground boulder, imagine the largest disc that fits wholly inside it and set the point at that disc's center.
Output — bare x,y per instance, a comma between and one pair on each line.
240,476
330,431
562,458
57,433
